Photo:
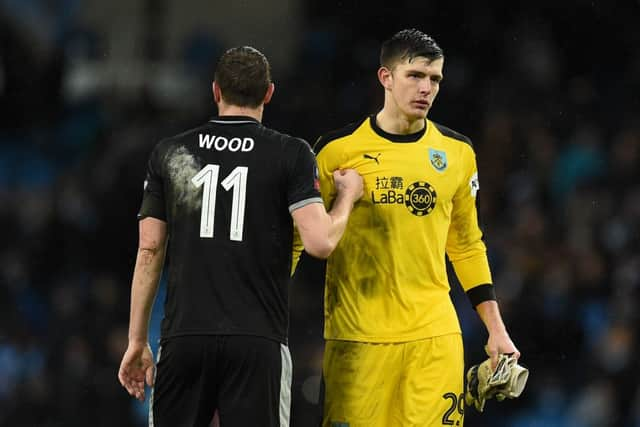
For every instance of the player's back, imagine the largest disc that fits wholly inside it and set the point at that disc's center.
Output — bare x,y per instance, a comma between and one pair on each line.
228,187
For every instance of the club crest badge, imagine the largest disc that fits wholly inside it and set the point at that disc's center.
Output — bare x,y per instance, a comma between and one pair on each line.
438,159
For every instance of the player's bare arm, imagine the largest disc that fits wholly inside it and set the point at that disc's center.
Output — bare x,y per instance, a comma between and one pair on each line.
137,363
499,341
321,231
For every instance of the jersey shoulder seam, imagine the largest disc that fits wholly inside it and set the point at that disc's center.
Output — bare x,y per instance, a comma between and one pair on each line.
186,132
336,134
453,134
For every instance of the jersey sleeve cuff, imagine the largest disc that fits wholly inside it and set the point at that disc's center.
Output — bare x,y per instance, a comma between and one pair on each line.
153,206
303,203
481,293
142,216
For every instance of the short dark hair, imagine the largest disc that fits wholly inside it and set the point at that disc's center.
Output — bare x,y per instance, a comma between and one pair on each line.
243,75
409,44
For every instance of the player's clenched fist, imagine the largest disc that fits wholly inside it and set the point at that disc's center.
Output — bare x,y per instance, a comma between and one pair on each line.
349,183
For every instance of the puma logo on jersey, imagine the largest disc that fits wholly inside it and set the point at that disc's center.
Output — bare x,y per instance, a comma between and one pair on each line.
370,157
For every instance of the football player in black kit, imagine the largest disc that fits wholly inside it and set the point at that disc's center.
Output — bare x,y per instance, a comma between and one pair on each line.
221,201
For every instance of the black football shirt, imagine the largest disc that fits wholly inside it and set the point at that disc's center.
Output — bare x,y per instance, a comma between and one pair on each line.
226,190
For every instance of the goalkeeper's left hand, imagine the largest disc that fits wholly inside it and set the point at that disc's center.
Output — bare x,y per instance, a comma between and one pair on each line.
499,343
507,380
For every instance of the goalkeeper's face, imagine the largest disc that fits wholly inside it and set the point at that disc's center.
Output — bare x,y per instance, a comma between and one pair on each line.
411,86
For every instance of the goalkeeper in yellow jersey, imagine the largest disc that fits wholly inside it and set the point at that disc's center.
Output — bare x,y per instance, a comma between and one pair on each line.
394,354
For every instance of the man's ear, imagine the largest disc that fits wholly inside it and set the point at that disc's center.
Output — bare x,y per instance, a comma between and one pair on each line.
385,77
217,94
269,94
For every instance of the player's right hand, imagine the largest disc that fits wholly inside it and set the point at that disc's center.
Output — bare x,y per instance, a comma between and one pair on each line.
136,368
349,183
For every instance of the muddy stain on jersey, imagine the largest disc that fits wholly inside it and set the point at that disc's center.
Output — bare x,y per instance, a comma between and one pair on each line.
182,166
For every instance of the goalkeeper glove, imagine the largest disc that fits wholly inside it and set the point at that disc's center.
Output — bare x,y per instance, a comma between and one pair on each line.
506,381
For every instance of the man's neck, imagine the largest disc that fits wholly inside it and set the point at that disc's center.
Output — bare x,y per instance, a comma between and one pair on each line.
397,123
234,110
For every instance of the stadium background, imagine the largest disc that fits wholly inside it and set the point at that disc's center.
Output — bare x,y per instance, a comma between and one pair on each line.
549,91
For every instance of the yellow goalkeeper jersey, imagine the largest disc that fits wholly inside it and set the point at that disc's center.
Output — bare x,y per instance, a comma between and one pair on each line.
387,280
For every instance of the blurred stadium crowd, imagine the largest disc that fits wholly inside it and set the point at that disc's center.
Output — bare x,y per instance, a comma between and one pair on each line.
549,93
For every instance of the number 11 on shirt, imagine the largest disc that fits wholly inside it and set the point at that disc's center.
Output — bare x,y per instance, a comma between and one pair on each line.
237,179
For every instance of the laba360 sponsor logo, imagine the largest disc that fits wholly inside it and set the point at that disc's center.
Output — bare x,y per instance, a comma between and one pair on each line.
419,198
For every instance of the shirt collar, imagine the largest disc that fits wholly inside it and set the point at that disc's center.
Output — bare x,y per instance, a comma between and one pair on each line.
411,137
234,120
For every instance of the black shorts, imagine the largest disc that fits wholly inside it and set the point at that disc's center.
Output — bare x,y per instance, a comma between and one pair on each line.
247,379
